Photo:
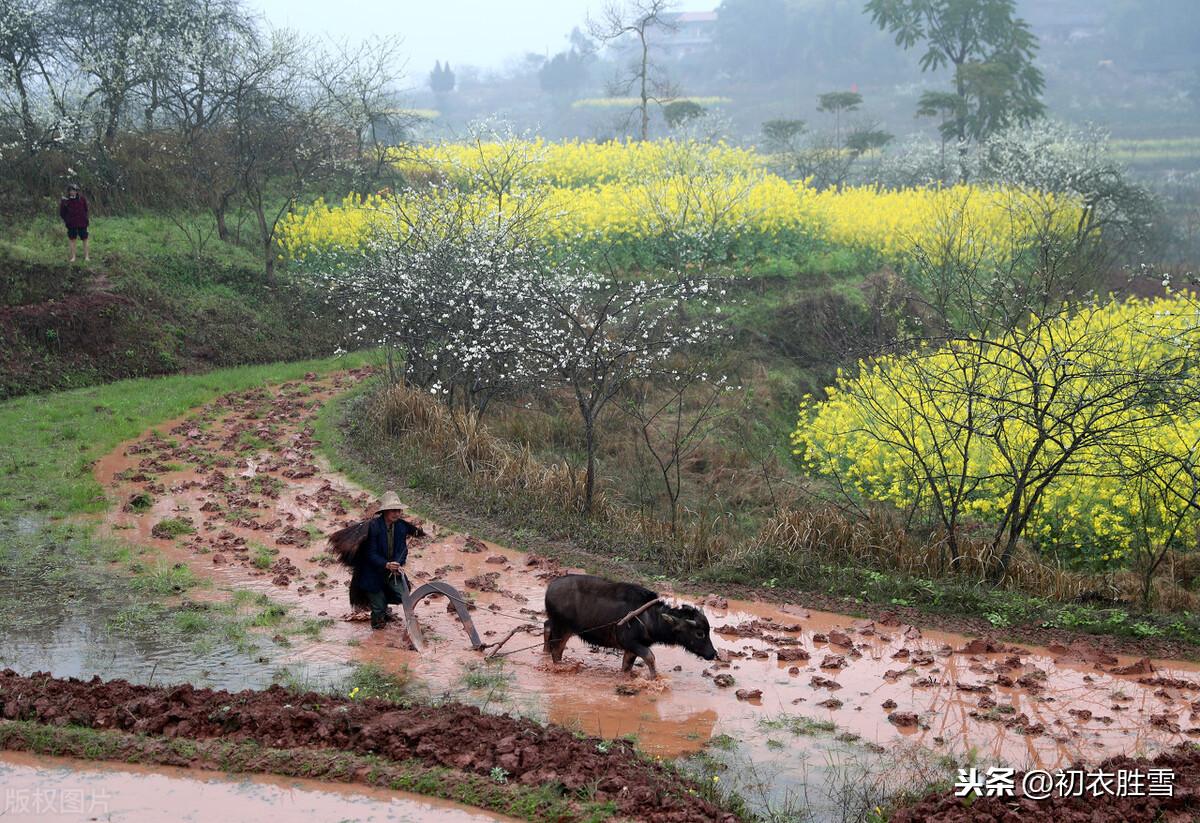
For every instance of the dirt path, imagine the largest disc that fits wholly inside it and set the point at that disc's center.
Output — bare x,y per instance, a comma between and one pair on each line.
243,472
48,789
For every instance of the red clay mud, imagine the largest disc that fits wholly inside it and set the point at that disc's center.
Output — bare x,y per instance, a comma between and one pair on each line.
452,736
245,471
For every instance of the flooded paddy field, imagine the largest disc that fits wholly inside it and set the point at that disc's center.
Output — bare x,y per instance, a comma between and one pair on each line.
798,708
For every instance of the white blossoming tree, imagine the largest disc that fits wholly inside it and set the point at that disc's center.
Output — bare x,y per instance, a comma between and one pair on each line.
608,332
479,311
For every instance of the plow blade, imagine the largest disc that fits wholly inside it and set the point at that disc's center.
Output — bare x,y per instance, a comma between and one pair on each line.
411,597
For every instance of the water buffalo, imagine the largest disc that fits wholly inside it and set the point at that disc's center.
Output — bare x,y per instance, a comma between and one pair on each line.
591,606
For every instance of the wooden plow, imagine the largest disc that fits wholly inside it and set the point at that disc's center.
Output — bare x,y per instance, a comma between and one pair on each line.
410,597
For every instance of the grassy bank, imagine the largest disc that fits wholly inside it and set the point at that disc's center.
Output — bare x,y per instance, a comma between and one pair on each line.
49,553
148,303
43,240
48,443
243,757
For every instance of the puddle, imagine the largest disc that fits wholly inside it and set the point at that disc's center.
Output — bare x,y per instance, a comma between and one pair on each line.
83,624
47,626
245,473
59,789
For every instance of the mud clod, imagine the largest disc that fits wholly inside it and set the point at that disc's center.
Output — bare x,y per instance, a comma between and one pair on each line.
451,735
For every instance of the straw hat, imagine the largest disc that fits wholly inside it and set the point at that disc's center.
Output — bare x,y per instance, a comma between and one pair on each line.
389,502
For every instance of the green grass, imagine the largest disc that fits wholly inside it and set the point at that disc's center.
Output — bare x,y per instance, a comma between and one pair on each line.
141,502
263,556
723,742
43,240
487,675
172,527
163,579
797,725
45,485
39,476
270,616
368,680
145,305
192,622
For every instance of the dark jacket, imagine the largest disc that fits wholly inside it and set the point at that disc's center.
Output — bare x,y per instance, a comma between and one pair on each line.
369,572
74,212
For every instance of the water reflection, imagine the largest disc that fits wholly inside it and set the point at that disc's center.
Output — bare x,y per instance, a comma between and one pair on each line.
84,624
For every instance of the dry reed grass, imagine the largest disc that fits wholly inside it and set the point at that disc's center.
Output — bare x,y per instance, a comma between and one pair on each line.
881,541
460,443
795,536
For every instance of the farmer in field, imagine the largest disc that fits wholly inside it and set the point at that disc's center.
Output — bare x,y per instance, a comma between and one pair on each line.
379,561
73,209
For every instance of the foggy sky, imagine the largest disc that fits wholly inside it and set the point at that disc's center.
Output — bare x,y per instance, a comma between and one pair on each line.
475,32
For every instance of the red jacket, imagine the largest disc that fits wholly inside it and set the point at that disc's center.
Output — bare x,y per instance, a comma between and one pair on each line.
74,212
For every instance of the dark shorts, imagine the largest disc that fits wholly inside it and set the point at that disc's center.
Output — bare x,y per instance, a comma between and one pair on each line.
73,232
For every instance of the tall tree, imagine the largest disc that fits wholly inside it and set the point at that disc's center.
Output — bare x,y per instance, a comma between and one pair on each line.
837,102
441,79
639,18
121,46
780,135
23,44
197,91
358,82
564,74
285,137
950,109
990,50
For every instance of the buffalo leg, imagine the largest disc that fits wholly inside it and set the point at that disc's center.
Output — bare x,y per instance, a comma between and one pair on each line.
647,657
558,647
555,639
627,662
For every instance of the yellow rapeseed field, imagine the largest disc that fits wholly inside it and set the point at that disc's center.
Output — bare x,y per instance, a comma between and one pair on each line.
880,424
645,200
572,163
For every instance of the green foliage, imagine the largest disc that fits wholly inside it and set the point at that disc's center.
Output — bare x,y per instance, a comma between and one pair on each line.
368,680
441,78
990,51
863,141
779,134
145,309
564,73
263,556
172,527
679,112
723,742
165,579
798,725
839,101
1076,482
270,616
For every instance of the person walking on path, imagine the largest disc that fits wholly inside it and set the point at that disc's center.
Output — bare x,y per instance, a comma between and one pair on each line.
73,209
379,562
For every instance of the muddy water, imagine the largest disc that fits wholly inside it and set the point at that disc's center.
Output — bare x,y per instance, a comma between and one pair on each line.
246,474
58,789
46,629
1055,709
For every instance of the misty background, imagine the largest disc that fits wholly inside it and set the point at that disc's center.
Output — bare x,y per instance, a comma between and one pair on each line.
1130,66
